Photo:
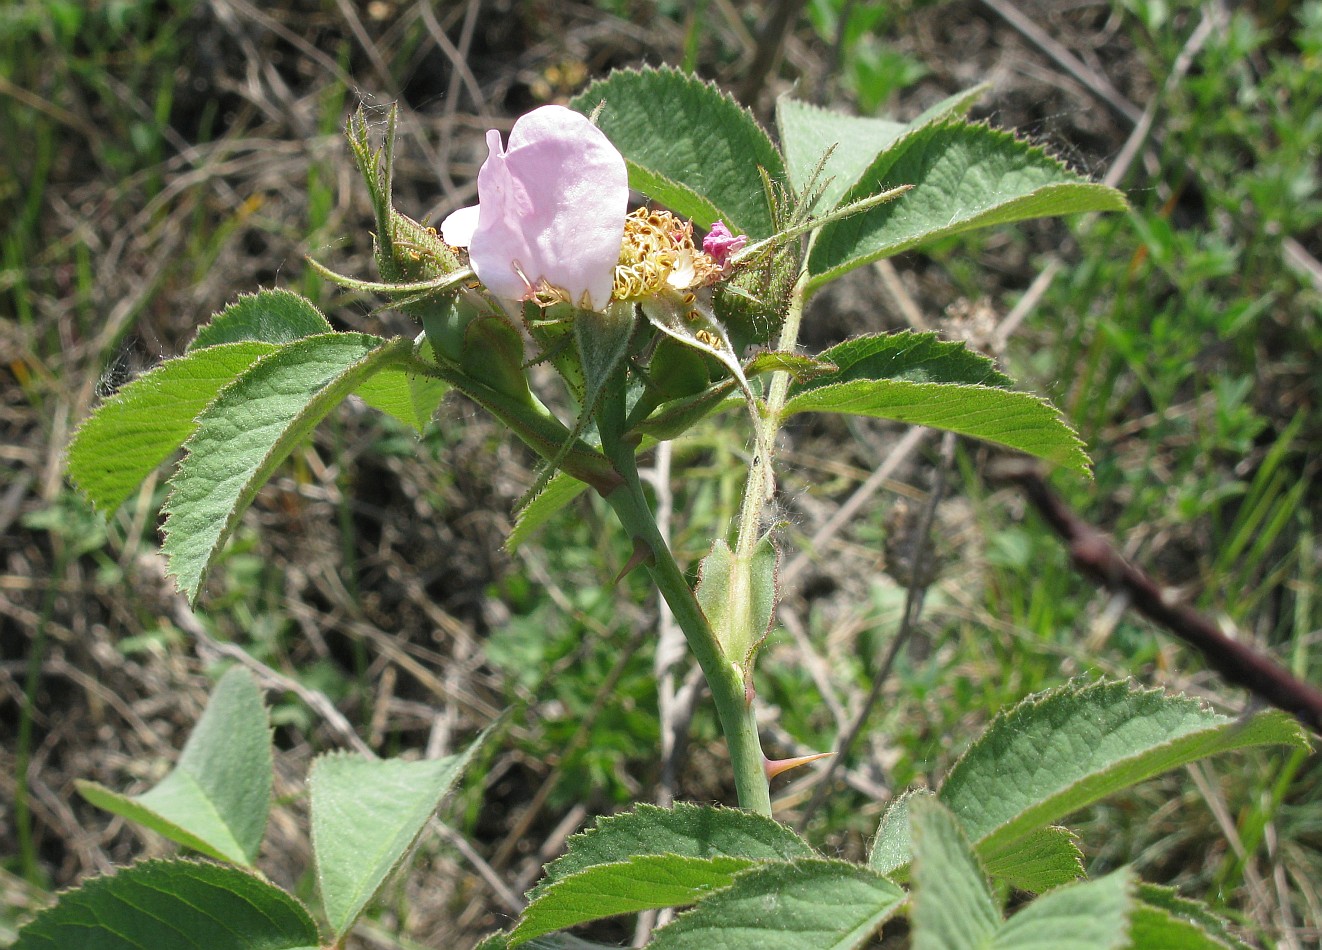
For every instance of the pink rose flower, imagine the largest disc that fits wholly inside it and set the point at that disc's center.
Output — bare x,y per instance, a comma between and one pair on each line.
550,212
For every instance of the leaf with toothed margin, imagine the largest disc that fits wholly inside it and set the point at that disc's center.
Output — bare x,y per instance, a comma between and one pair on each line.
698,831
1066,748
218,795
809,904
639,882
910,355
182,905
140,426
963,176
366,815
249,429
807,131
269,316
1015,420
688,146
559,492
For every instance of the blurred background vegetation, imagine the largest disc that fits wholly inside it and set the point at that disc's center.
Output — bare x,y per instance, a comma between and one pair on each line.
159,156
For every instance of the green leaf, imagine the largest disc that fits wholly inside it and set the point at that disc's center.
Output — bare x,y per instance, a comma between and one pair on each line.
800,366
500,941
180,905
892,849
1068,747
1089,915
694,831
366,814
559,492
138,428
1163,920
1153,929
811,904
908,355
249,429
688,145
1016,420
1046,858
952,904
964,177
678,416
408,397
738,599
268,316
641,882
807,131
217,798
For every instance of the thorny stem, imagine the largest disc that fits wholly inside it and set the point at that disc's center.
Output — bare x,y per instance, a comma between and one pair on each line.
724,675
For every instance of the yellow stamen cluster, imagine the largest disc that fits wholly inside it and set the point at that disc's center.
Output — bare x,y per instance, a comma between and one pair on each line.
658,254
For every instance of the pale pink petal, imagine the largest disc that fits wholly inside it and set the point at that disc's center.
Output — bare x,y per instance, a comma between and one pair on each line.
458,227
551,209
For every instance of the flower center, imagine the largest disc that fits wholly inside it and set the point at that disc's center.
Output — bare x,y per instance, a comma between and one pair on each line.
658,255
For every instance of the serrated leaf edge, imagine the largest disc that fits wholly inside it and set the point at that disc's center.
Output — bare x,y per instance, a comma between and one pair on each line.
255,482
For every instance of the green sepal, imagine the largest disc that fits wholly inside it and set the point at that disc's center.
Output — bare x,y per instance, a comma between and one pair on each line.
493,353
678,416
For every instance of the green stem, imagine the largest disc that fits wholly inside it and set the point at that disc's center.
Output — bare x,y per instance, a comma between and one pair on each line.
724,677
761,472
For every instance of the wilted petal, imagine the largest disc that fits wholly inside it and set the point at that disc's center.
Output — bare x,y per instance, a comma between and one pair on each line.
551,210
720,243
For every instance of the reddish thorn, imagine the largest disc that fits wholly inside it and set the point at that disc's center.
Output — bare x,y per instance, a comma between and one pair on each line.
774,767
642,554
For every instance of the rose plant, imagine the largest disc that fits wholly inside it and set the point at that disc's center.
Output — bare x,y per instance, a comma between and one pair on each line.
650,328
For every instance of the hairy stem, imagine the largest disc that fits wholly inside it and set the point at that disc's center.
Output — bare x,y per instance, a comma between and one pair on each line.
724,675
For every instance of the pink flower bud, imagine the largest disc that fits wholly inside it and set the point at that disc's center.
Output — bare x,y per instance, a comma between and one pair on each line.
550,212
719,243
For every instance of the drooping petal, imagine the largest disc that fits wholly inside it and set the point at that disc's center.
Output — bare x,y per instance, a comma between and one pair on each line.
551,209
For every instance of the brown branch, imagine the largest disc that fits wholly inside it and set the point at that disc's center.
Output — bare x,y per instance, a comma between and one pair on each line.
1097,558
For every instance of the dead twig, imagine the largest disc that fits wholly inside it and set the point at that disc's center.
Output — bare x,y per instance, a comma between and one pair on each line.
1098,559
